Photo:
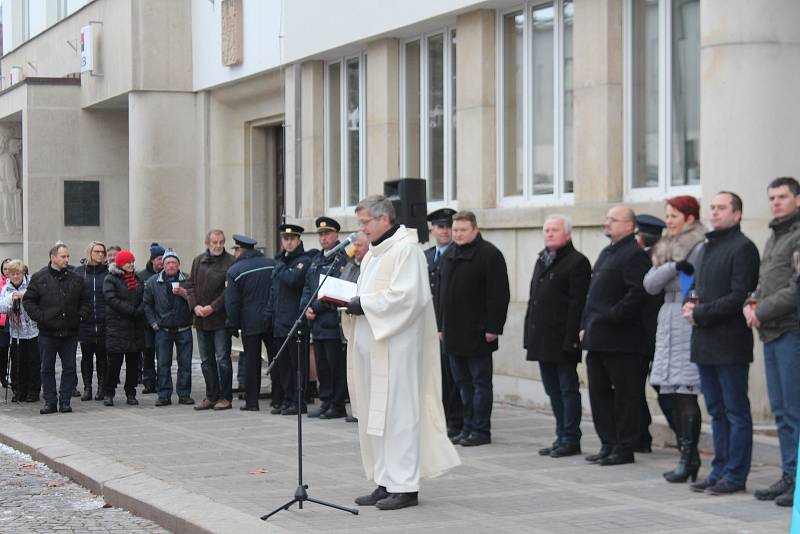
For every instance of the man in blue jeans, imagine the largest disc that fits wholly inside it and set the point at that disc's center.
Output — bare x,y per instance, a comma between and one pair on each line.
722,343
57,300
167,310
773,310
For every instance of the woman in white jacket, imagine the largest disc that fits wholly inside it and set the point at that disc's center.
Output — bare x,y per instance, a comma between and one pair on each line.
673,373
25,374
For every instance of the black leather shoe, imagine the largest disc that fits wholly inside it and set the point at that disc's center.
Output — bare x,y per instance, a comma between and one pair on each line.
186,399
48,408
545,451
456,440
775,490
131,400
725,487
786,500
87,394
109,401
473,440
604,452
372,499
163,402
453,431
248,408
396,501
703,485
565,449
333,414
616,459
99,396
148,389
65,408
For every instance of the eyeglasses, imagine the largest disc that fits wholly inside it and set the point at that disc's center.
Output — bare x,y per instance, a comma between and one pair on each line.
366,221
103,252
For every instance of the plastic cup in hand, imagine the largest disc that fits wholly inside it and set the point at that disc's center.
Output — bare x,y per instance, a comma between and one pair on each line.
175,285
752,301
693,297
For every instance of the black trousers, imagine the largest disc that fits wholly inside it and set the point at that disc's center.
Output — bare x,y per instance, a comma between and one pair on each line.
451,397
645,438
90,351
26,378
113,369
332,372
252,366
5,370
287,367
615,396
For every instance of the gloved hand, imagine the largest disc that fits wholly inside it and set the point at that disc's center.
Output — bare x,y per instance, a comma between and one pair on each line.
354,306
233,331
685,267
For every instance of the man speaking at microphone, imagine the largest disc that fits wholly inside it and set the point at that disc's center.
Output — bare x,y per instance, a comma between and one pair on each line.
394,374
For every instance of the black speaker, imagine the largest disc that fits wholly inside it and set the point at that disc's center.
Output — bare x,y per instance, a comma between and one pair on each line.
410,203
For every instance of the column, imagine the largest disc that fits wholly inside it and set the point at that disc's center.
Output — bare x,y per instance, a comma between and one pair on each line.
383,113
312,142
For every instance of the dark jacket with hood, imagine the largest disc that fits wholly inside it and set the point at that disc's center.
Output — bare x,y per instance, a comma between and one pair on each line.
162,306
92,329
125,321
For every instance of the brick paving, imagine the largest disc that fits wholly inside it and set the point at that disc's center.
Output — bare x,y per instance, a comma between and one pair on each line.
245,462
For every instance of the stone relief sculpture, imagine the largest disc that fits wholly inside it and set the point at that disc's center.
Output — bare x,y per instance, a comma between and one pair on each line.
10,186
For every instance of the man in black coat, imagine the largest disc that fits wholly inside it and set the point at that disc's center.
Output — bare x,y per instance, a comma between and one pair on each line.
473,303
57,300
324,322
552,323
148,363
247,289
288,280
612,332
722,343
442,231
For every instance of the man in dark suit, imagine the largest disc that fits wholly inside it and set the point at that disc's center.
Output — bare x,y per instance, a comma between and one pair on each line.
552,323
473,304
442,231
612,332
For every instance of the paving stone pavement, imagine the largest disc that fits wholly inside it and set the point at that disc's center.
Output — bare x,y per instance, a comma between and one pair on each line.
36,499
247,461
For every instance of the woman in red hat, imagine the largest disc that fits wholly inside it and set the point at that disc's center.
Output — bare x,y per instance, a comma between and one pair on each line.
124,293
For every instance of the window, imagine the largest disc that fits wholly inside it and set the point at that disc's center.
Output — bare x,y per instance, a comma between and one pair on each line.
536,146
662,97
427,134
345,140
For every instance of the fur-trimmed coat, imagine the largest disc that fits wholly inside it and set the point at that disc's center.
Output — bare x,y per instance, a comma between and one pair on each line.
672,365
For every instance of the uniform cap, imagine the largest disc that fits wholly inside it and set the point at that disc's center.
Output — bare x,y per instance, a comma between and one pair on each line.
291,229
244,241
326,224
442,216
650,224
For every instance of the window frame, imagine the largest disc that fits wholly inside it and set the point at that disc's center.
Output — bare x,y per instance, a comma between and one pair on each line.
448,141
344,208
527,198
664,187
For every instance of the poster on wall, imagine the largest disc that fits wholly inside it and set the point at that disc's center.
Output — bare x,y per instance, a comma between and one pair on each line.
87,50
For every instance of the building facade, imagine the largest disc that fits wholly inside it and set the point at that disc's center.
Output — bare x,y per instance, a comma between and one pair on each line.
239,113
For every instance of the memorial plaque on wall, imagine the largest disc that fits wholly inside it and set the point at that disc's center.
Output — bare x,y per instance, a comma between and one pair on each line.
232,24
81,203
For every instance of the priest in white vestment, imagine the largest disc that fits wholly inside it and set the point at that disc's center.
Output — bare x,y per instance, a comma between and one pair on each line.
394,373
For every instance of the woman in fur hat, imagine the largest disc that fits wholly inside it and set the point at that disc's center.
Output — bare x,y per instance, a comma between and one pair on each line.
676,256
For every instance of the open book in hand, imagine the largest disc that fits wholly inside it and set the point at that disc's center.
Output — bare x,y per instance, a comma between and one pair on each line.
337,291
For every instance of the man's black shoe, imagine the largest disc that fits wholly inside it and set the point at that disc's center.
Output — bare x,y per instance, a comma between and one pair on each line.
324,407
453,431
87,394
616,459
333,414
48,408
372,499
473,440
65,408
643,449
776,490
703,485
396,501
276,410
725,487
786,500
163,402
456,440
565,449
186,399
249,408
109,401
148,389
545,451
131,400
604,452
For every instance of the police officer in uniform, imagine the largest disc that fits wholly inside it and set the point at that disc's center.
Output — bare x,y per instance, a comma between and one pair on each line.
325,325
247,288
441,229
288,280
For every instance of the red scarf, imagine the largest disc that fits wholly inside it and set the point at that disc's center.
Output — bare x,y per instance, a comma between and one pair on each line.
130,279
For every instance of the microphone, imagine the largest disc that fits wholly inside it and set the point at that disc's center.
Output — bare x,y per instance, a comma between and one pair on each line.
341,246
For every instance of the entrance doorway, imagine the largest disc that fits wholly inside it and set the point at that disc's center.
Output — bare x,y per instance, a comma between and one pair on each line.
267,185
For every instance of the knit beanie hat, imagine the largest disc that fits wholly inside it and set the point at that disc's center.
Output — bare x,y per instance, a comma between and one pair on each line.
124,257
156,250
170,253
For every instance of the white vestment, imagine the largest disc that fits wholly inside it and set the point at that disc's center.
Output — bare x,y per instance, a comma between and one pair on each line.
394,371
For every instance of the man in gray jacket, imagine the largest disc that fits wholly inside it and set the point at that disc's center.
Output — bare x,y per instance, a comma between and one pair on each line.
773,311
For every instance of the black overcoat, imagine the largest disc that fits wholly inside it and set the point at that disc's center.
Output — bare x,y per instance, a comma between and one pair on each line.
473,297
57,300
727,275
557,297
125,322
615,303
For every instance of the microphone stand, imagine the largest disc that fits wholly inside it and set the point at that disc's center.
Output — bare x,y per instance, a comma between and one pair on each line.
301,493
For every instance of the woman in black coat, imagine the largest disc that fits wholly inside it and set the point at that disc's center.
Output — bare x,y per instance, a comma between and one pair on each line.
124,294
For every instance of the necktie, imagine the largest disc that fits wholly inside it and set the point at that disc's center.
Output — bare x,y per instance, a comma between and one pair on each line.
436,255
